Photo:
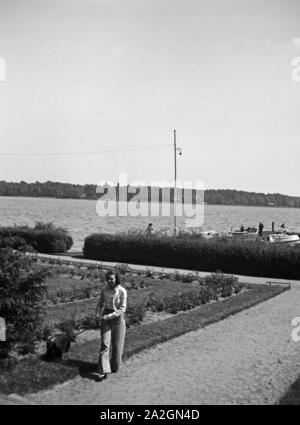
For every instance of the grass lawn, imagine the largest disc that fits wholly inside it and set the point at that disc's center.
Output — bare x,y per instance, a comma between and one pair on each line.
32,375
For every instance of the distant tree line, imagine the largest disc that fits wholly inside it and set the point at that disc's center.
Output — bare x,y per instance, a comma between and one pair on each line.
88,191
48,189
238,197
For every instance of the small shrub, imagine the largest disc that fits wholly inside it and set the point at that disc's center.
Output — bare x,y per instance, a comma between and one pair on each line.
134,284
123,268
135,313
168,276
156,303
143,284
87,292
149,272
90,322
237,287
177,276
188,278
172,304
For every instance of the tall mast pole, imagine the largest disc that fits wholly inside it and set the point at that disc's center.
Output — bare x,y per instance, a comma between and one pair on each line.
175,182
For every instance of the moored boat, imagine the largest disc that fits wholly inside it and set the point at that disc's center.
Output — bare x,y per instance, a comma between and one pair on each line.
209,234
283,238
250,233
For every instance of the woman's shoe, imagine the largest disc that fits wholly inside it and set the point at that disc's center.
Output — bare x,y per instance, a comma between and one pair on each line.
102,376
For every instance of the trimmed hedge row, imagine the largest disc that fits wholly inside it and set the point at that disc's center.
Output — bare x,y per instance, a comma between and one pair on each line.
46,240
255,258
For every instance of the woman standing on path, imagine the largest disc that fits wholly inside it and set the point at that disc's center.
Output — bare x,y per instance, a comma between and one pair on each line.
110,310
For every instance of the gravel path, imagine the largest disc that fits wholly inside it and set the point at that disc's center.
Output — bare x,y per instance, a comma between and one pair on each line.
248,358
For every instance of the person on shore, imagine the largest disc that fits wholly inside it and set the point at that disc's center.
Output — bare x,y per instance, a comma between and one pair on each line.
149,230
260,229
110,310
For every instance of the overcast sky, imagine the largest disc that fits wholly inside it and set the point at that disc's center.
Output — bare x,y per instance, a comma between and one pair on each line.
94,75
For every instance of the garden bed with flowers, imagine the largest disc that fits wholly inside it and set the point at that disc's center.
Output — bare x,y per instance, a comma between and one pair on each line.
72,293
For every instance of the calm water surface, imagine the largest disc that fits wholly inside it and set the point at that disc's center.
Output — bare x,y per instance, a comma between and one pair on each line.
81,219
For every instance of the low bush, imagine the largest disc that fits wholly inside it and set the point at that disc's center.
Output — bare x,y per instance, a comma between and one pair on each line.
47,239
149,272
255,258
188,300
156,303
188,278
222,285
123,268
135,313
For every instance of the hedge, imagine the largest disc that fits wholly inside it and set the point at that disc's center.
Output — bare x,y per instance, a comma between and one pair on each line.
46,240
256,258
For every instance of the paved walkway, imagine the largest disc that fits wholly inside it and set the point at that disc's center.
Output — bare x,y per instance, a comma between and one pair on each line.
248,358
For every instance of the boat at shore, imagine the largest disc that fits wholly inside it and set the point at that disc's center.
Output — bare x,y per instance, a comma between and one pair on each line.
284,238
250,234
210,234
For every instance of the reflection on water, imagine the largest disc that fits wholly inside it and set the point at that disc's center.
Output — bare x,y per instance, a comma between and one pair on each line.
81,219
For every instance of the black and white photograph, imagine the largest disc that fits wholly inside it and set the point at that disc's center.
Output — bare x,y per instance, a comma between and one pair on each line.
149,205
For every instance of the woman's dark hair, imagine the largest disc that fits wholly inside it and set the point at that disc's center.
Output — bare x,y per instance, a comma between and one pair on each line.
116,274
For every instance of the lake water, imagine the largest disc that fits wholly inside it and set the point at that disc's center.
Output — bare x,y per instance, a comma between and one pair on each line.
81,219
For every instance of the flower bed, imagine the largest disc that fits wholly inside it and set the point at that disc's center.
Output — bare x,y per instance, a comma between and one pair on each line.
147,294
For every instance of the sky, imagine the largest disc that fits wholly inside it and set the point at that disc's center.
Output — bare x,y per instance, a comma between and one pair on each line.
116,75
